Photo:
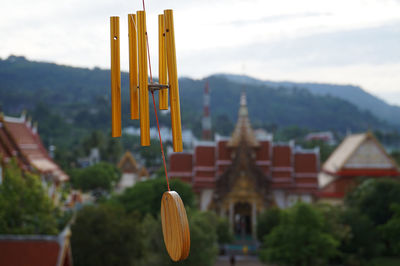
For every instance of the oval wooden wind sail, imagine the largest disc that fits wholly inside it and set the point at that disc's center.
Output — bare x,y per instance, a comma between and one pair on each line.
175,226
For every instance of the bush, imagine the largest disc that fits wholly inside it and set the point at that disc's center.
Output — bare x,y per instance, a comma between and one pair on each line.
105,235
99,176
267,221
25,207
374,197
299,239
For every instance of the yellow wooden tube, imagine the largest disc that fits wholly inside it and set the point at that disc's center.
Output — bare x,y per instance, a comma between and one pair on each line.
173,81
162,65
133,66
143,79
115,78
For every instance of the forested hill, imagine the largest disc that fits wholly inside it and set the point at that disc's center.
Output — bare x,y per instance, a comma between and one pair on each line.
353,94
81,97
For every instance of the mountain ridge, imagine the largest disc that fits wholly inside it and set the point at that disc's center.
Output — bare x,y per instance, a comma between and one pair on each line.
81,97
352,93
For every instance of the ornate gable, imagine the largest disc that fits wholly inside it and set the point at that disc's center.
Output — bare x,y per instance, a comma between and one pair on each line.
369,155
128,164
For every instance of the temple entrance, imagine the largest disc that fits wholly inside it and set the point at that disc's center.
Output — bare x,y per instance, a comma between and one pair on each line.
242,219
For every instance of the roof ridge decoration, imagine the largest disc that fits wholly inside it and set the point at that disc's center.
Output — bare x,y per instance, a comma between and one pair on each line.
243,131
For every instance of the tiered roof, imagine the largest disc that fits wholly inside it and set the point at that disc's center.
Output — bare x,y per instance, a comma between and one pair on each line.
243,131
271,165
19,140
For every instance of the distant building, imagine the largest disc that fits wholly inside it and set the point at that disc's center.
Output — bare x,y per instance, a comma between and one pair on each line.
359,155
240,176
19,140
326,137
36,250
131,172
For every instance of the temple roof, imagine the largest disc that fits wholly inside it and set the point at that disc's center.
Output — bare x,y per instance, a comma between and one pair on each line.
359,151
36,250
128,162
243,131
20,140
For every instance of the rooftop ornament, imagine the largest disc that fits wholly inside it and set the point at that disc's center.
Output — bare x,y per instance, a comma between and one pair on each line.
174,220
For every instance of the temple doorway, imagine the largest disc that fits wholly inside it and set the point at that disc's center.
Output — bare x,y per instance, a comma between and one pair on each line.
242,219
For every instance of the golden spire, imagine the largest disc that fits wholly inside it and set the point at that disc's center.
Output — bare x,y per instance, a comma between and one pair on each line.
243,131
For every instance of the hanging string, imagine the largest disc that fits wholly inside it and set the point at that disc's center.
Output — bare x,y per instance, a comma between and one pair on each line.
155,108
161,145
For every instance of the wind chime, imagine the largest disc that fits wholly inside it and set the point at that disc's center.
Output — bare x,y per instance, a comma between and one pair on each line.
175,224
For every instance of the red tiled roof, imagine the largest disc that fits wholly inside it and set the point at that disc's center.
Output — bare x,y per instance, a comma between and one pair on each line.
19,140
305,163
181,162
263,152
223,152
282,156
35,250
204,156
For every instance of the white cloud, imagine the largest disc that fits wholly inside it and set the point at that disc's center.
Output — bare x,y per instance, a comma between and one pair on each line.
272,38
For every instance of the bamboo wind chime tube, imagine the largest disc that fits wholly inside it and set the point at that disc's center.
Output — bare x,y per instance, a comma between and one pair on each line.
133,66
173,81
162,65
143,79
115,78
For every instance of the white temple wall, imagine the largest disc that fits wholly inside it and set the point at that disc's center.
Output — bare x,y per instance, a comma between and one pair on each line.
205,198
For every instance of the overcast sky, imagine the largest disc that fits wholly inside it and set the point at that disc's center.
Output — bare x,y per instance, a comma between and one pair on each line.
335,41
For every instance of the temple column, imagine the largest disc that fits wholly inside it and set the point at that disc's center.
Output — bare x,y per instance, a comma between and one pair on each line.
231,214
254,219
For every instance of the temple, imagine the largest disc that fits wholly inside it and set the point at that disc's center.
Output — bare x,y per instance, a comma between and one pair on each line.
240,176
20,141
131,172
359,155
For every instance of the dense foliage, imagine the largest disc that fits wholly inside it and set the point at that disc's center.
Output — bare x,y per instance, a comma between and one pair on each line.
126,229
298,238
360,232
374,199
101,176
25,207
267,221
105,235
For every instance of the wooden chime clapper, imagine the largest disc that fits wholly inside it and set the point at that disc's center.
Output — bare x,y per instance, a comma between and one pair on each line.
175,224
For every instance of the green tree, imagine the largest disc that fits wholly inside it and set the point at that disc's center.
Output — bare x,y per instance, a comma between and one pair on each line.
267,221
299,239
203,238
390,231
145,197
25,207
105,235
363,242
396,156
95,140
224,235
99,176
113,150
325,150
374,197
